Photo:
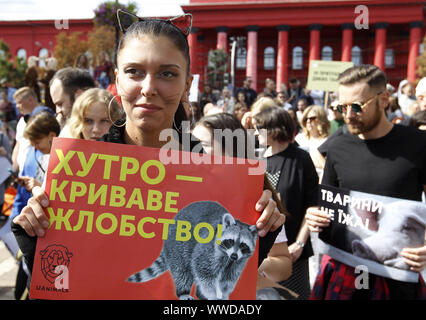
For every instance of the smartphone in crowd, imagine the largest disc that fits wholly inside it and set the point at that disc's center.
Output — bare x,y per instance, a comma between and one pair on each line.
16,177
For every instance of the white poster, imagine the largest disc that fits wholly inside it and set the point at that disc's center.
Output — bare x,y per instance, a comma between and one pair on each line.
372,230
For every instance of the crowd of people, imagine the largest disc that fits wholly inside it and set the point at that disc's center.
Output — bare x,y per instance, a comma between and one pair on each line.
301,139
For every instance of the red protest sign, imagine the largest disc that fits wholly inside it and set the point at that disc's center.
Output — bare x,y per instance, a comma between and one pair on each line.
125,225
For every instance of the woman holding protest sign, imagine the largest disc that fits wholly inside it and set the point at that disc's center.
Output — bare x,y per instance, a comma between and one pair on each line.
275,265
153,82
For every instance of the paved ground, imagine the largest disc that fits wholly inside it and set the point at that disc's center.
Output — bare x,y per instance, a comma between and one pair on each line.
8,271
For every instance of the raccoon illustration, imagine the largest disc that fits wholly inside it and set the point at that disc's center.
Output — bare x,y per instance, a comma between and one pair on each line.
213,268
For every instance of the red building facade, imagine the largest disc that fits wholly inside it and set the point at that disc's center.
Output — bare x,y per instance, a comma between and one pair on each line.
276,38
280,37
37,37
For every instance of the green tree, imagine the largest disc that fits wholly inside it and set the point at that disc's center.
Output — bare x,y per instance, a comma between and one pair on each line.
12,70
217,67
68,47
105,13
101,39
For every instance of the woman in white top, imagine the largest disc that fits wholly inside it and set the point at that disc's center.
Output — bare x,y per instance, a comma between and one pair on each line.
316,129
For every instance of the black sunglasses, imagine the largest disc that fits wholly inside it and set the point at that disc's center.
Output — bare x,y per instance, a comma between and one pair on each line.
355,106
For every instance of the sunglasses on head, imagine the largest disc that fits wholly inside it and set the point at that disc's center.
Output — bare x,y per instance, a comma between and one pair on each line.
356,107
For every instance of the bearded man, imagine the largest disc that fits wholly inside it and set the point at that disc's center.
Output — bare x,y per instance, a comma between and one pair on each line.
372,156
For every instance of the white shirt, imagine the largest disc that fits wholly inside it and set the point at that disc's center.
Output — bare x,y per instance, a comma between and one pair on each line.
282,236
24,144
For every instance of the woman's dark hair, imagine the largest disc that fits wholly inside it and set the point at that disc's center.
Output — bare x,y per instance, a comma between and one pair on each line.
393,104
157,28
418,119
40,125
277,122
224,121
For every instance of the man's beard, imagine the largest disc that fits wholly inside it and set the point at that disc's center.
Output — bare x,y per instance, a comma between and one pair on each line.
360,127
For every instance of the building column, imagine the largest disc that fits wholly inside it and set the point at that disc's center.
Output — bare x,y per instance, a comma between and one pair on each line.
416,29
380,45
193,48
282,56
222,38
251,70
347,41
315,42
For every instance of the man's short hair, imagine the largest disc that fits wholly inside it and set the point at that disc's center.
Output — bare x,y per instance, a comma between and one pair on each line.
372,75
74,79
24,92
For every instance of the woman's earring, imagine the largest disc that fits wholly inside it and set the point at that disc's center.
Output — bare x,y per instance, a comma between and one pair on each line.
109,115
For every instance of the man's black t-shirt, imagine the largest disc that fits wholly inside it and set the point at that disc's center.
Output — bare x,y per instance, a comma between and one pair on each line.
393,166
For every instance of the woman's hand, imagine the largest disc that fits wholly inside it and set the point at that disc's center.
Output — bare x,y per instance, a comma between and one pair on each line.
295,251
32,217
29,183
415,258
316,219
271,219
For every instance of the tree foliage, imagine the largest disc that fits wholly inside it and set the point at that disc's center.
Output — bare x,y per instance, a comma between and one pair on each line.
217,67
12,70
101,39
105,13
68,47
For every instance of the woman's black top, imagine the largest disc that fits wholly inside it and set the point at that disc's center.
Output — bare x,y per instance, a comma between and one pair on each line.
293,175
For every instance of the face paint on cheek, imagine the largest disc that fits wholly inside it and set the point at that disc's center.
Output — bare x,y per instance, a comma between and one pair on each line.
172,99
128,91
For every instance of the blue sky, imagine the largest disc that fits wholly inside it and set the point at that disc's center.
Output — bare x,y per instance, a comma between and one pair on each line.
78,9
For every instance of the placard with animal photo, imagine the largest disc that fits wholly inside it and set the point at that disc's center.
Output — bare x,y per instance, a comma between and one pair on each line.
371,231
129,222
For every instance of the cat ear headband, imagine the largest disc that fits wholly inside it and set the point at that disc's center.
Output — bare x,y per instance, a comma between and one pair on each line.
182,22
